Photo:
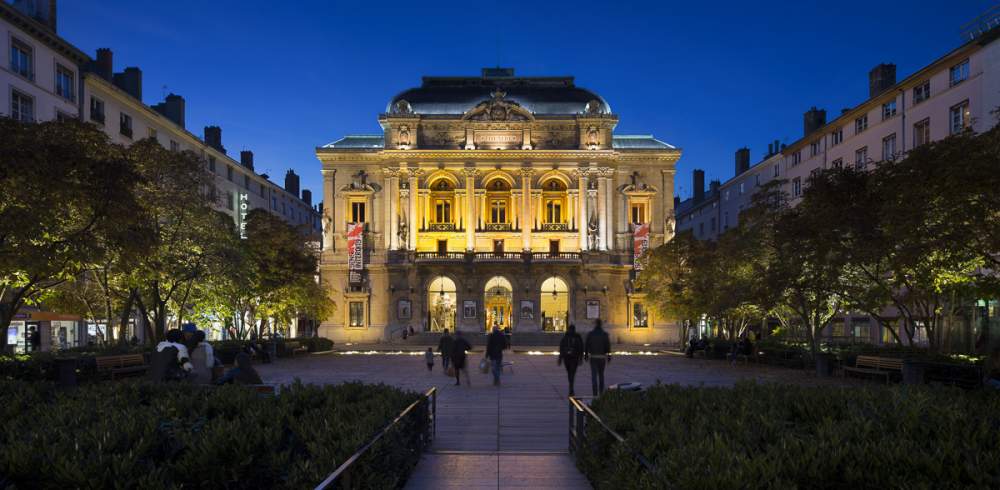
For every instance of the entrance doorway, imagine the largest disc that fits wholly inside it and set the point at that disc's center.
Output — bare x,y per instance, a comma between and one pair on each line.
498,247
498,301
442,304
442,246
555,305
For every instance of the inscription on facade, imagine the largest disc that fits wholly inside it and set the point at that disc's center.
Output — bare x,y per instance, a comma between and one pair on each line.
497,139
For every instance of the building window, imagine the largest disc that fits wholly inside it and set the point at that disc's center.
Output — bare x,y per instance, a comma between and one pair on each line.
246,181
889,147
838,163
959,117
640,317
776,170
922,132
959,73
442,211
174,146
358,212
861,124
356,314
274,203
211,164
151,133
125,124
229,201
65,86
498,211
638,212
742,189
861,158
726,195
837,137
814,148
713,223
229,172
796,158
796,187
22,107
921,92
553,211
20,59
97,110
889,110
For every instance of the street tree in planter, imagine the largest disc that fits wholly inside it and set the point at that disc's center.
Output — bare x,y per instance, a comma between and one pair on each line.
64,185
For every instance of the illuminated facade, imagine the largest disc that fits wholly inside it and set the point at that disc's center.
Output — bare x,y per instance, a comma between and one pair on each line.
493,200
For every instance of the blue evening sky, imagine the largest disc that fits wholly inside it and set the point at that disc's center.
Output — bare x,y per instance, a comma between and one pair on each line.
709,77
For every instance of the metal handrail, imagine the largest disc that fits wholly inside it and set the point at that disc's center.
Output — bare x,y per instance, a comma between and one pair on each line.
430,396
579,414
543,256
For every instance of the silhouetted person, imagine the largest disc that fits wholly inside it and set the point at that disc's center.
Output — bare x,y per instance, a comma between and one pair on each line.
570,354
495,345
242,374
597,350
459,359
444,347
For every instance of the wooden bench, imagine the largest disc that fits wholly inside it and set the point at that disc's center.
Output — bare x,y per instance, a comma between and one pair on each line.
878,366
294,347
123,365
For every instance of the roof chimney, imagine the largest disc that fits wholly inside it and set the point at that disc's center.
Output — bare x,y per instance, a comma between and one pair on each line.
742,160
698,182
307,197
52,15
172,108
130,81
812,120
104,64
713,186
881,78
246,159
213,138
292,182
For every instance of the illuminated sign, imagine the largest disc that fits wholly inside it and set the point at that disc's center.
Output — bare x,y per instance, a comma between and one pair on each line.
242,208
640,243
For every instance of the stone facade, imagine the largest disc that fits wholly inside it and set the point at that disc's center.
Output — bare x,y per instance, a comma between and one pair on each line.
494,200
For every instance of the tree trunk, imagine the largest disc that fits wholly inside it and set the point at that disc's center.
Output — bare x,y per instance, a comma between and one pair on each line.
126,313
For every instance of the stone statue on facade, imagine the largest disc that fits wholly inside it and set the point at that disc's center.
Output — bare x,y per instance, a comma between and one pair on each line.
402,232
592,233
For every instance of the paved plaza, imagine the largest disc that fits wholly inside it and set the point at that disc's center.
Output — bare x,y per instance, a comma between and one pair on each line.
514,436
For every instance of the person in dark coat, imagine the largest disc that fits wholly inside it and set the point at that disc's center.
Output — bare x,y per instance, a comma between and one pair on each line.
444,347
597,350
571,354
495,345
242,374
459,359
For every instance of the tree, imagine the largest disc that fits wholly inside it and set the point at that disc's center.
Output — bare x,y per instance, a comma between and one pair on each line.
64,185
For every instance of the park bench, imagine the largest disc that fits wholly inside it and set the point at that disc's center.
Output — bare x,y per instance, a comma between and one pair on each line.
878,366
122,365
294,347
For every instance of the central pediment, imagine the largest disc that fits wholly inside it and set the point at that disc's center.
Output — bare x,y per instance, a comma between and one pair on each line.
498,108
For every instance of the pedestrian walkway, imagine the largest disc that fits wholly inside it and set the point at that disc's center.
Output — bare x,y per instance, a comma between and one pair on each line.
515,435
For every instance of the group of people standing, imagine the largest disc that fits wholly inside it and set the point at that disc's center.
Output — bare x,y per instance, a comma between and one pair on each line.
573,350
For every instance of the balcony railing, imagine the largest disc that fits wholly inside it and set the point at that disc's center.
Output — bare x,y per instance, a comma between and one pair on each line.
439,256
497,227
487,257
499,257
555,256
440,227
555,227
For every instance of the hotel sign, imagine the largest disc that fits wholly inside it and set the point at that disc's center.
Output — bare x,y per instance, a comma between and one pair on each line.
242,208
488,140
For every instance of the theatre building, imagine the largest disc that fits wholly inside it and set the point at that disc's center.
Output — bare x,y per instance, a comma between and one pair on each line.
494,201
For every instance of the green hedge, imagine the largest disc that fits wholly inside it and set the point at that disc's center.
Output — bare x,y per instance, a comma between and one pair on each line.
138,435
777,436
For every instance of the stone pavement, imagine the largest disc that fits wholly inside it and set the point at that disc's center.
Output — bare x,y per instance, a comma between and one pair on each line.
515,435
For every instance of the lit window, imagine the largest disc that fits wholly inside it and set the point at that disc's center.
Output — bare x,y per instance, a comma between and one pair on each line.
959,73
553,211
498,211
861,158
959,117
20,59
921,92
65,86
357,212
889,110
889,147
357,313
442,211
922,132
640,317
638,212
861,124
22,107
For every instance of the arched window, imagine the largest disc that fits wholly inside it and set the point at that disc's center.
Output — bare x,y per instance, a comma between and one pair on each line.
555,304
554,197
442,304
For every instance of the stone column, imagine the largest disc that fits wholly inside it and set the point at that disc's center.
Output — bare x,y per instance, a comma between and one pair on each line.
581,220
607,175
329,180
414,185
470,208
391,207
602,211
526,218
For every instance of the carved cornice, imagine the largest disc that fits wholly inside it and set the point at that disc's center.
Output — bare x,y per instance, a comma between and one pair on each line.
470,172
526,172
605,172
414,173
389,172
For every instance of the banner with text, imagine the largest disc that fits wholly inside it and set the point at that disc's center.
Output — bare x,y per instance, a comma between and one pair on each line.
355,251
640,242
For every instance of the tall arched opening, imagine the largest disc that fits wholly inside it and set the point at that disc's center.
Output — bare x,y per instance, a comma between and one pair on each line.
498,300
442,304
555,305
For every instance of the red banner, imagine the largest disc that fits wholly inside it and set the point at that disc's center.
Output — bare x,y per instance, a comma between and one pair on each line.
355,250
640,243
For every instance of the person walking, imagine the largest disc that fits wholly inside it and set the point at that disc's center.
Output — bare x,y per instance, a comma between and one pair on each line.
429,359
570,354
459,359
495,345
444,347
597,350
